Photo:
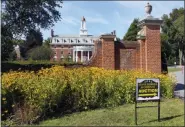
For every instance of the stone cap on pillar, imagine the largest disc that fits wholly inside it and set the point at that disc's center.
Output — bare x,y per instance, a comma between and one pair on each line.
153,21
107,36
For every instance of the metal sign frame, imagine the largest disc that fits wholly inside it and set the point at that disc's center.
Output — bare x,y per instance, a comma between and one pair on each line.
154,98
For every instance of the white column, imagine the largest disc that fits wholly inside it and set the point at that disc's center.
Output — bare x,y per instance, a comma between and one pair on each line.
81,56
88,55
76,56
84,25
73,55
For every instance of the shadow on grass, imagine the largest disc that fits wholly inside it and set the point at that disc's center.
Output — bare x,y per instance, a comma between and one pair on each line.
163,119
179,86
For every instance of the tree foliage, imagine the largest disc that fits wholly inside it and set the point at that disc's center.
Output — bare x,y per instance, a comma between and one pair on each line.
176,13
47,42
23,15
40,53
173,28
132,31
6,43
34,38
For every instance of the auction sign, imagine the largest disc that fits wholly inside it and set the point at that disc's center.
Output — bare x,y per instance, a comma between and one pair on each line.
147,89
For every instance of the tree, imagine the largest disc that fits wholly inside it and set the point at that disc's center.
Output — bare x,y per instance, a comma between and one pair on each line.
173,28
6,43
41,53
179,37
176,13
47,42
24,15
34,38
132,31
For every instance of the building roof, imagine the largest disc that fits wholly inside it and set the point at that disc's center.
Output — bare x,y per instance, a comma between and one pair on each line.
74,36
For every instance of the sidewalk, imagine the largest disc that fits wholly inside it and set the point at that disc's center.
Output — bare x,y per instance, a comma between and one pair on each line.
179,89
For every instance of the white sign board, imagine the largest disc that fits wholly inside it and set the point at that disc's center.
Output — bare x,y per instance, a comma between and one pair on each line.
147,89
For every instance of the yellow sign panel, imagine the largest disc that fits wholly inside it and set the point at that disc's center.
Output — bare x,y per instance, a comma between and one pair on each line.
147,89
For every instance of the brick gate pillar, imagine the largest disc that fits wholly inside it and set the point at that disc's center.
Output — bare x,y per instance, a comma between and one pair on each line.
150,43
108,51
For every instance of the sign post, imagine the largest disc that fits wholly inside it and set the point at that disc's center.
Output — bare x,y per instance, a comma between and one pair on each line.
147,89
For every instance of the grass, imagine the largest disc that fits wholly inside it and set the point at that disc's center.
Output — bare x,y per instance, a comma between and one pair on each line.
174,69
172,114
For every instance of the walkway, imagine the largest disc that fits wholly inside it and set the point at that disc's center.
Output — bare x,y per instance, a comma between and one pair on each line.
179,89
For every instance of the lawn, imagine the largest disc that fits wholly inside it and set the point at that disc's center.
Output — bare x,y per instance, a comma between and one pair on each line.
172,114
174,69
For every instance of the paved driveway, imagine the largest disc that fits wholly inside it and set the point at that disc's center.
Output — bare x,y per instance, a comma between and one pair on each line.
179,89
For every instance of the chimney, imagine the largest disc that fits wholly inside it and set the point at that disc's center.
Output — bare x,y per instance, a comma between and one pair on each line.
52,33
114,32
111,33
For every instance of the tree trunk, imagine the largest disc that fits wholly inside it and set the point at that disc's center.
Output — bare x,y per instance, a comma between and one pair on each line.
180,57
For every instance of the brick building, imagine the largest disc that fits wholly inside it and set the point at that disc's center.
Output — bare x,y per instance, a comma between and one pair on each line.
78,48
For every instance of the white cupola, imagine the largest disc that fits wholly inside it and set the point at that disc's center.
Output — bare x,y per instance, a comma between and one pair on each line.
83,30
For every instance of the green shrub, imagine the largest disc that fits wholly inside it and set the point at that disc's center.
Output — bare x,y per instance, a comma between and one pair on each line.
40,53
13,56
58,89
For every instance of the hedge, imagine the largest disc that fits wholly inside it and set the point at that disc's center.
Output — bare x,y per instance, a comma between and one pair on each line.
58,89
32,65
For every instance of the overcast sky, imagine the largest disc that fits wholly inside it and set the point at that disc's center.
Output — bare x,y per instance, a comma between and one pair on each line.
106,16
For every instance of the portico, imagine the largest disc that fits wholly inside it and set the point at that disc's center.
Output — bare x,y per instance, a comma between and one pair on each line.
82,53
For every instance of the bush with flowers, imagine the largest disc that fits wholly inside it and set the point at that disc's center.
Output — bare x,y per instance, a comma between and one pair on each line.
59,89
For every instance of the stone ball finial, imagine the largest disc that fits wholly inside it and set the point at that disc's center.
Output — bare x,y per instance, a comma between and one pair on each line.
148,9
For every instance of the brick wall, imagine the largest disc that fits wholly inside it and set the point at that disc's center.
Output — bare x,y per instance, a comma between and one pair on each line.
96,59
127,59
153,48
145,54
108,53
104,55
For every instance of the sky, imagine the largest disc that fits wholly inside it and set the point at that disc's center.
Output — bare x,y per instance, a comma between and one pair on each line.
106,16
